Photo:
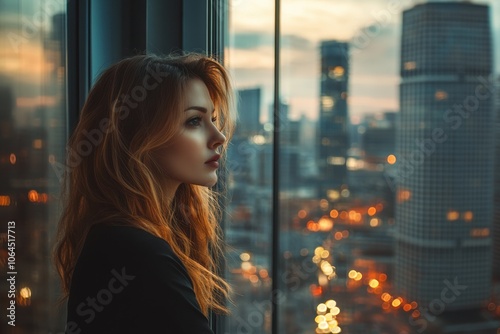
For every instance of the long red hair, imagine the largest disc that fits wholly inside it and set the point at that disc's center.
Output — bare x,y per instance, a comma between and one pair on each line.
111,176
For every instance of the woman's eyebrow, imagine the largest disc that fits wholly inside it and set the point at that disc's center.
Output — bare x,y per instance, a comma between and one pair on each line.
202,109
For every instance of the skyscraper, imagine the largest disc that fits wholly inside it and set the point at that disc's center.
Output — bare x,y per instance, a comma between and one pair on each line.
333,137
248,111
445,154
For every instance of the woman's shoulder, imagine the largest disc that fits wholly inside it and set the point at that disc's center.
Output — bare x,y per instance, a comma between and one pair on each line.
125,239
129,281
111,245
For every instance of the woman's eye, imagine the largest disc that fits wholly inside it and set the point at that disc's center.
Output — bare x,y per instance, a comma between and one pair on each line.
194,121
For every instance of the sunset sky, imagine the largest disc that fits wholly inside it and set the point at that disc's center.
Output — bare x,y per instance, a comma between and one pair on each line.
372,26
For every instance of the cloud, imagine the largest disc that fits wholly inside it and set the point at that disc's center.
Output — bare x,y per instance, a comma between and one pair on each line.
251,40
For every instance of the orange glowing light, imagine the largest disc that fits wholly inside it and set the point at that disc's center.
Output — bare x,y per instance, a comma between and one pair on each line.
396,303
336,72
246,266
4,200
325,224
37,143
338,236
25,293
334,213
374,222
302,214
331,303
263,273
316,290
440,95
343,215
33,196
452,215
318,250
385,297
403,195
43,198
373,283
335,310
312,226
12,158
372,211
352,274
479,232
391,159
382,277
468,216
320,318
407,307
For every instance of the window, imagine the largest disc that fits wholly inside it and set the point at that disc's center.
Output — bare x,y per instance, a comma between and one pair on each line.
249,224
33,135
319,219
359,83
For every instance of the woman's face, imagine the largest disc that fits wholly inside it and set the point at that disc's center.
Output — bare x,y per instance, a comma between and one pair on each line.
184,159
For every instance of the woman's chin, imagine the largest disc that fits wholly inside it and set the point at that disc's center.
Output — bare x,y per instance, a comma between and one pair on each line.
207,183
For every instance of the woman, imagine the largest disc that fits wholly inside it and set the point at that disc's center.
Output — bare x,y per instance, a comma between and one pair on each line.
138,235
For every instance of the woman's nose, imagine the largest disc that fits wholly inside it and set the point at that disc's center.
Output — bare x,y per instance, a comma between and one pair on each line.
218,138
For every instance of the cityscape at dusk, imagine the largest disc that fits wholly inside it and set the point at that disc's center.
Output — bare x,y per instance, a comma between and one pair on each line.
388,164
392,197
373,29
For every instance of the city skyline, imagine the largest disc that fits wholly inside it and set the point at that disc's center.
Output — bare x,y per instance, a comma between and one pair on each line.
373,60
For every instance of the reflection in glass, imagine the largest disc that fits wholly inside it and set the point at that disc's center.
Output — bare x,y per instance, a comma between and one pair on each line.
340,75
249,57
32,137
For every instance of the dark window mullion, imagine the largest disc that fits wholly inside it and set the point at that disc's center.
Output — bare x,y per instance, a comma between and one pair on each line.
77,53
275,193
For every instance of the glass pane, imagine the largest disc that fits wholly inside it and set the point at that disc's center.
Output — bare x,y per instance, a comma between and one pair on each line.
32,139
375,238
250,58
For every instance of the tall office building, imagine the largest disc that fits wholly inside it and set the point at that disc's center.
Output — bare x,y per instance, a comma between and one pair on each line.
445,149
249,111
333,138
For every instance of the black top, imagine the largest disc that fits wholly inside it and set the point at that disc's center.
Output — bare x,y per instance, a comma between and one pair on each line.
127,280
